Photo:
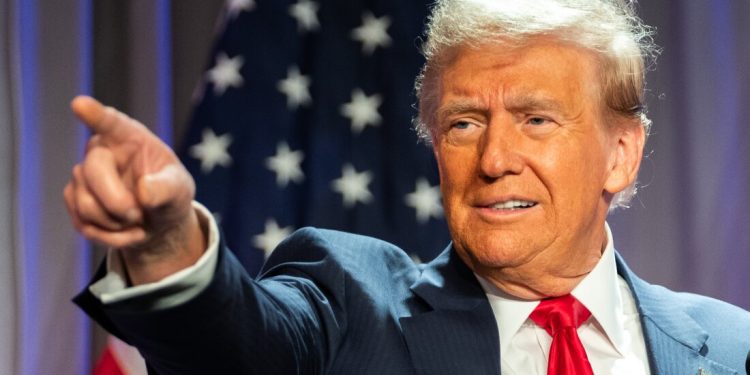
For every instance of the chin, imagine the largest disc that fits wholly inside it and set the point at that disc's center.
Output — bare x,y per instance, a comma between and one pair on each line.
499,251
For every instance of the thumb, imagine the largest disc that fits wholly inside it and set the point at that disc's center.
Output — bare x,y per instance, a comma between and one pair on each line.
170,187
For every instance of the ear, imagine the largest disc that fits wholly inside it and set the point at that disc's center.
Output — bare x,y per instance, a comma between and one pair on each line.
626,158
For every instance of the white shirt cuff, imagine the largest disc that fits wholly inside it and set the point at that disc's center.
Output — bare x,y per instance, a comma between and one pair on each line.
170,291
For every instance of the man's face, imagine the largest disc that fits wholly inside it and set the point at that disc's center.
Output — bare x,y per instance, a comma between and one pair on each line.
527,163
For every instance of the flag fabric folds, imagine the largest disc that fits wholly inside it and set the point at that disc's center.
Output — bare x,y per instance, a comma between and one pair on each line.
304,118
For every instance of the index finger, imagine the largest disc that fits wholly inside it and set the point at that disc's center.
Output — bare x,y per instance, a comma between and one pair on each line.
106,121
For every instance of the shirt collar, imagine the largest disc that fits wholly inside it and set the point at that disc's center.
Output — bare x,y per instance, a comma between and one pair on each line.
510,312
598,291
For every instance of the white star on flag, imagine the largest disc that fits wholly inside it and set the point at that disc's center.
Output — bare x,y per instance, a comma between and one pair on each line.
362,110
425,200
372,33
304,11
212,150
296,87
226,73
286,164
353,186
235,7
271,237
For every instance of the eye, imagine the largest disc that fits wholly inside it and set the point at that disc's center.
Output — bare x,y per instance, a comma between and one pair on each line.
538,126
463,132
461,125
537,121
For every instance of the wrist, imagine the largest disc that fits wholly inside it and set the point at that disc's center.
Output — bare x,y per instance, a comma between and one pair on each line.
175,249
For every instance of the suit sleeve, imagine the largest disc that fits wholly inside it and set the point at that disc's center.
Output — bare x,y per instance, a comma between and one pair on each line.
283,323
171,290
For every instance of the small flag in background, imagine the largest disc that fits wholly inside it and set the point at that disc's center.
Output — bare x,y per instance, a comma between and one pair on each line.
304,118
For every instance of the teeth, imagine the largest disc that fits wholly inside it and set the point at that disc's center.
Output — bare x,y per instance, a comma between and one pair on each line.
513,204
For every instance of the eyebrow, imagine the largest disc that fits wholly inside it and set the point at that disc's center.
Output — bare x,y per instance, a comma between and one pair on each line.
532,102
462,106
522,103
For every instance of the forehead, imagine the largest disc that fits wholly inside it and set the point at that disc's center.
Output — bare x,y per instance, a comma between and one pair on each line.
543,72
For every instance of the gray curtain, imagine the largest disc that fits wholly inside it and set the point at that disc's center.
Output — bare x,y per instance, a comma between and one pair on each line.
44,61
687,229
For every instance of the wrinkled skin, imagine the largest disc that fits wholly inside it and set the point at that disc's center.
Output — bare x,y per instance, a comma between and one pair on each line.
131,192
528,124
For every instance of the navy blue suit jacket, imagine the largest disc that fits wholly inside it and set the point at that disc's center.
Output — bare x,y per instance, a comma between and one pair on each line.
336,303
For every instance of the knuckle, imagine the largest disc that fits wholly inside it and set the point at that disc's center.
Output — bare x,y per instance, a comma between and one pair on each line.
116,116
68,191
96,153
77,172
92,143
108,113
96,162
88,208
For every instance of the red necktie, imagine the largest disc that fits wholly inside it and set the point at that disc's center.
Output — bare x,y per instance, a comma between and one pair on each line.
560,317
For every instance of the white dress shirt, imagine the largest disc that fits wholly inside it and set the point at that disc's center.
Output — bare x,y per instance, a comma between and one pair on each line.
171,290
612,337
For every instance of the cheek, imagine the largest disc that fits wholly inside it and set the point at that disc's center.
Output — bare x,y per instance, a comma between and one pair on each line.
456,171
576,176
450,183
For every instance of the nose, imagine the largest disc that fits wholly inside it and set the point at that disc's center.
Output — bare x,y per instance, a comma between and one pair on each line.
499,153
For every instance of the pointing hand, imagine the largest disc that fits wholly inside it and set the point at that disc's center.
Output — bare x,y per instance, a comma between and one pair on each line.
131,192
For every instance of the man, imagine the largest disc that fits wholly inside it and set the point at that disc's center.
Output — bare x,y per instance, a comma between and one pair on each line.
535,115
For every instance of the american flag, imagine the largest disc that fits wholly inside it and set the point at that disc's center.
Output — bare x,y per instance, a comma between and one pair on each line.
304,118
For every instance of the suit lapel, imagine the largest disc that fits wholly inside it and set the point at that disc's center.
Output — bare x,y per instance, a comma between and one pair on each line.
675,342
457,333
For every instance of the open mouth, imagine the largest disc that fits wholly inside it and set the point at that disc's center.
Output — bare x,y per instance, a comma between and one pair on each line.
514,204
